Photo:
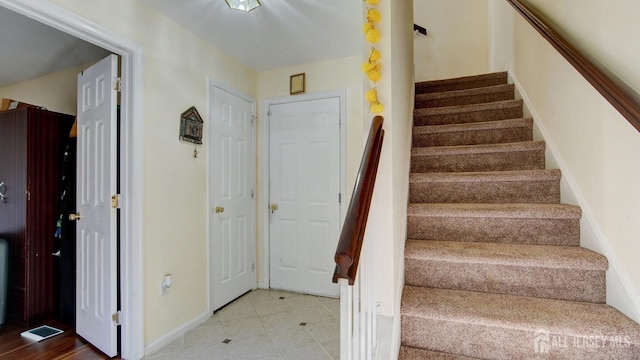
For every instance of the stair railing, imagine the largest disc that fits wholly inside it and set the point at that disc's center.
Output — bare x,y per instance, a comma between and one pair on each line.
358,327
619,95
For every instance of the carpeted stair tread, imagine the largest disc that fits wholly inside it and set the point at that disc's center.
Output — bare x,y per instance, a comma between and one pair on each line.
479,149
511,211
465,82
487,125
498,110
522,186
479,177
548,256
411,353
525,155
466,96
499,326
498,131
556,272
536,224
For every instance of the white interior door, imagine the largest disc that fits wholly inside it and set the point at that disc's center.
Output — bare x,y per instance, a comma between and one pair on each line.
304,161
96,282
232,197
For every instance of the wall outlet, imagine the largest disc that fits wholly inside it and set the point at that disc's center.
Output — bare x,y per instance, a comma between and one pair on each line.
165,285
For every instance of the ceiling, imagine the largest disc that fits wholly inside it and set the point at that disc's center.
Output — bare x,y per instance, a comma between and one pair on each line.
280,33
30,49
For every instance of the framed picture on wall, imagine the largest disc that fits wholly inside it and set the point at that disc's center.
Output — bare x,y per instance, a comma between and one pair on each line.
296,84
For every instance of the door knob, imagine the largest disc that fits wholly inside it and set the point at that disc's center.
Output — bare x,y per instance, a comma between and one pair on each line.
219,209
74,217
274,207
3,191
56,254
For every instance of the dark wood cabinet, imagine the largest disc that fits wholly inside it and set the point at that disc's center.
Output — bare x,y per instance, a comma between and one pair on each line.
31,145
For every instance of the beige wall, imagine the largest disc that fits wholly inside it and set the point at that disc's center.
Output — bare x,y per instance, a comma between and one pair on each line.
457,41
57,91
607,30
331,75
594,146
176,64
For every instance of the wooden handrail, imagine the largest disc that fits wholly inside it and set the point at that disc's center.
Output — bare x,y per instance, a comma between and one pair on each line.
612,88
350,243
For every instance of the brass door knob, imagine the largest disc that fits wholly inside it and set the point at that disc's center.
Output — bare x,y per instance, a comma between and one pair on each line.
274,207
74,217
219,209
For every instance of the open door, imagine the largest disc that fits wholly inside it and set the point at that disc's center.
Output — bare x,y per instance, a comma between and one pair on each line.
232,218
96,228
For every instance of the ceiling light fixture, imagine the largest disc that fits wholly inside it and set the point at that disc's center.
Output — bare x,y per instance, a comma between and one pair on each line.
243,5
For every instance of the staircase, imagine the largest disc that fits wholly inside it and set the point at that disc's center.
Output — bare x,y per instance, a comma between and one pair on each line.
493,263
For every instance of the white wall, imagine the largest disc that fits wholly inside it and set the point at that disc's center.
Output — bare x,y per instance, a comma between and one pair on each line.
57,91
176,65
386,227
458,38
595,147
331,75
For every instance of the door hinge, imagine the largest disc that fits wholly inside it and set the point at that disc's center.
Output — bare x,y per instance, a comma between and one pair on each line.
117,85
253,267
252,193
115,201
339,198
116,318
339,123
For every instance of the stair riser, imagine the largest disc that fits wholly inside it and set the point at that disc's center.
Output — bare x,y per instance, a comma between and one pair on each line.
474,137
469,116
407,353
491,161
495,230
464,100
423,88
496,192
563,284
492,342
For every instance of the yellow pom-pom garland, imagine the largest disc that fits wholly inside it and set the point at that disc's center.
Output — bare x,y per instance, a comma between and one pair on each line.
373,35
374,55
366,27
376,108
373,16
372,96
372,68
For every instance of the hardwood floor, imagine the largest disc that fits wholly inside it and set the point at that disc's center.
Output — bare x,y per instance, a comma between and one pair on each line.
66,346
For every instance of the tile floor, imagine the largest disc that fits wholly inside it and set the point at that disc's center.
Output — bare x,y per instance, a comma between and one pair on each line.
264,325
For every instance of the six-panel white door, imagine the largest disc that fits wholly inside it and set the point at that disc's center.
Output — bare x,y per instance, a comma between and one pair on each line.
232,213
304,167
96,229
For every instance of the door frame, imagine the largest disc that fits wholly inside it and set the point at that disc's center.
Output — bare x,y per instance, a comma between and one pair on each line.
211,83
266,243
131,161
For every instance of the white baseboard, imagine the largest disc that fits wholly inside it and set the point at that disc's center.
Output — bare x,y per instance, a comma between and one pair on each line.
171,336
621,293
386,349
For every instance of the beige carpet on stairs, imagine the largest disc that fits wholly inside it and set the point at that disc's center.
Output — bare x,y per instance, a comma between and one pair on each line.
493,263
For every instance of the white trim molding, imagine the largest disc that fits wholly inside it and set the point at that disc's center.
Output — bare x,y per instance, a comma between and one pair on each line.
131,163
